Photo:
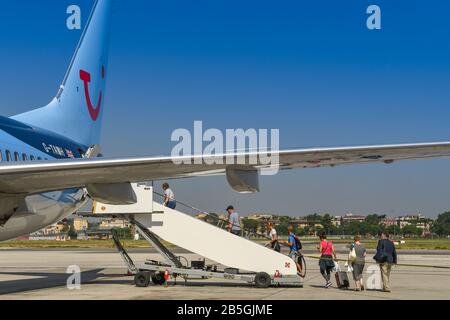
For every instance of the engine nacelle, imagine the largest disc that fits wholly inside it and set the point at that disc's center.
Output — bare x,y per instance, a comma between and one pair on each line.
114,194
243,179
8,205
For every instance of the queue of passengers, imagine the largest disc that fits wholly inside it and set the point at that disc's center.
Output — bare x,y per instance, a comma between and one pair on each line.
385,257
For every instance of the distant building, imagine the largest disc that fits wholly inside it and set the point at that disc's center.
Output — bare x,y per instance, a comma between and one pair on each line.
418,220
424,226
80,224
350,217
300,223
258,216
411,217
60,227
389,222
336,221
201,216
98,235
114,223
403,223
50,230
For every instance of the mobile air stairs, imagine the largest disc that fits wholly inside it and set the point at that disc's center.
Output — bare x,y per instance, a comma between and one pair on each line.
245,260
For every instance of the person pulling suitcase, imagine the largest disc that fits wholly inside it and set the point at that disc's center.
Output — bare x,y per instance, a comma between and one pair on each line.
326,262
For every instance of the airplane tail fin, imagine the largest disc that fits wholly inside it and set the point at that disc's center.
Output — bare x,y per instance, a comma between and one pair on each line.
77,110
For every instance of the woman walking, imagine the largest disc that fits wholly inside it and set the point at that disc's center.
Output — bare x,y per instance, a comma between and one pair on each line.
357,257
326,262
274,244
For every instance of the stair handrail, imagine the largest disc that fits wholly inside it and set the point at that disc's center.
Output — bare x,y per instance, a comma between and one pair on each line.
221,220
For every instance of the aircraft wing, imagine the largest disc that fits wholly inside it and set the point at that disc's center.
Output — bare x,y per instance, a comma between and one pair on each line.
38,177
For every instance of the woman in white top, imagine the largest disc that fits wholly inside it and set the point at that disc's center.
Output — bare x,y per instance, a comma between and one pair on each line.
169,197
273,238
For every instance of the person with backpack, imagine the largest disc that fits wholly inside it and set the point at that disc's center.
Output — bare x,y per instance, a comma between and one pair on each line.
326,262
295,246
386,257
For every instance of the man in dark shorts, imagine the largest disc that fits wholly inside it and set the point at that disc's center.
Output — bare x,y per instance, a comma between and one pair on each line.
294,249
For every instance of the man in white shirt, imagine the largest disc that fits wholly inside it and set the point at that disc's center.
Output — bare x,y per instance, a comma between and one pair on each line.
169,197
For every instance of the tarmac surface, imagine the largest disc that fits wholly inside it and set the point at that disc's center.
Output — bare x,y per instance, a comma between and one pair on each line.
41,274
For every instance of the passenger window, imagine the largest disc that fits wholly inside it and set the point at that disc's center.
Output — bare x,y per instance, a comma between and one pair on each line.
39,158
24,157
16,156
8,156
32,158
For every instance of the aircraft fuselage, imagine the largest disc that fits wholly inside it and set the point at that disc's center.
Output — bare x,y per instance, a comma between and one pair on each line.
21,143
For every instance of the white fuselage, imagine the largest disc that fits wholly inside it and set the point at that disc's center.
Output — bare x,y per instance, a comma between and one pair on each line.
36,211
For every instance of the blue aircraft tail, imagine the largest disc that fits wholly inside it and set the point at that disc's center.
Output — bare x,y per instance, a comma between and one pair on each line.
77,110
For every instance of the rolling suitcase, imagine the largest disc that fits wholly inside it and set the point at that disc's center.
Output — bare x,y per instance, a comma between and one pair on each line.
342,280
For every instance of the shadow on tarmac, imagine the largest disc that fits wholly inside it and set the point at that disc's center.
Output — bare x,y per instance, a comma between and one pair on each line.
44,280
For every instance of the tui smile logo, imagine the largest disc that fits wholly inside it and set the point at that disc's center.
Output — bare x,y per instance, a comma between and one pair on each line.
94,112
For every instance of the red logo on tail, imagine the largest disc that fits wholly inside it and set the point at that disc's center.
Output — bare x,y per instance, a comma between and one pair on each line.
93,111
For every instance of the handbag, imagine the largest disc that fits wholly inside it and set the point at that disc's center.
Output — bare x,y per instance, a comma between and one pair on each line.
380,256
349,267
336,267
276,246
352,255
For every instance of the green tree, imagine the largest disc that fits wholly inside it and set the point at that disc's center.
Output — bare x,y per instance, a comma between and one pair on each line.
411,230
124,233
373,219
319,230
442,225
374,229
212,218
326,222
72,233
250,225
393,229
313,218
94,225
352,228
282,229
300,232
334,230
285,219
66,228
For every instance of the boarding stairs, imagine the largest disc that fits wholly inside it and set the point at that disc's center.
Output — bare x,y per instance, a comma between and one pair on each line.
197,236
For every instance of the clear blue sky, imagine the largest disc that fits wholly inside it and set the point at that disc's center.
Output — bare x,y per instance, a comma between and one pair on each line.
309,68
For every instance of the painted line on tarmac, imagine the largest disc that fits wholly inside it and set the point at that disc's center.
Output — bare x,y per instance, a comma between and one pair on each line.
398,264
